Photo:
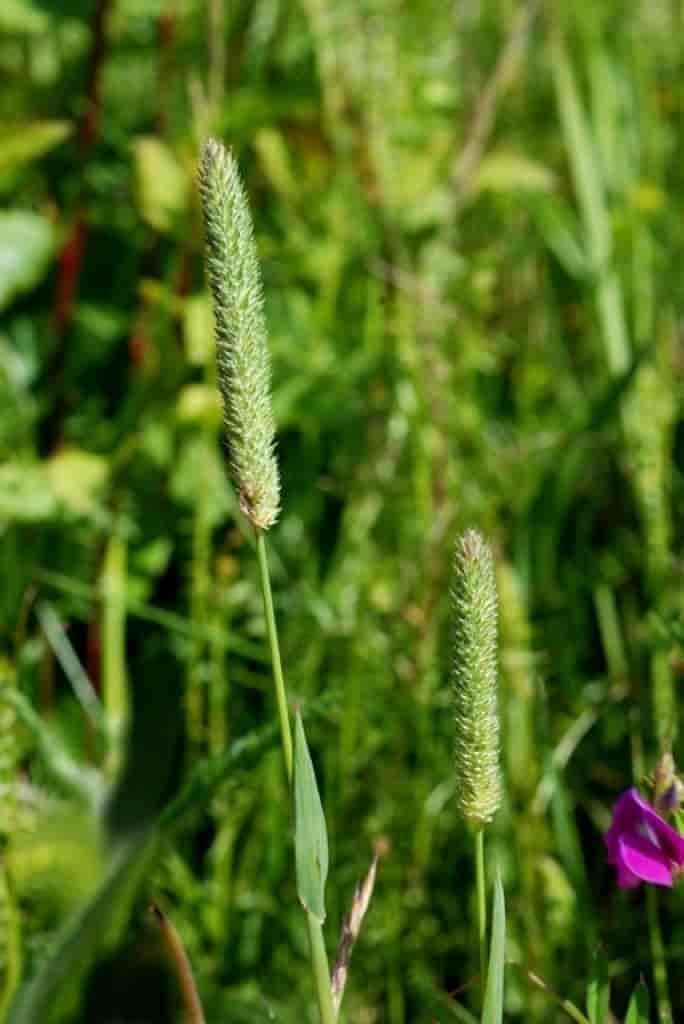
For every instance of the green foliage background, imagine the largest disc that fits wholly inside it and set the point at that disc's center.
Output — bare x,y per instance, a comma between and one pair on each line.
470,223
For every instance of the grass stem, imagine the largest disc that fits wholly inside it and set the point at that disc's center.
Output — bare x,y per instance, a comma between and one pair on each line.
319,957
272,630
319,960
481,902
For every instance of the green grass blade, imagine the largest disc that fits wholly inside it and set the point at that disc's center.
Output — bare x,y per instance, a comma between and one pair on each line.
492,1012
71,666
639,1010
83,782
598,992
583,158
114,676
311,837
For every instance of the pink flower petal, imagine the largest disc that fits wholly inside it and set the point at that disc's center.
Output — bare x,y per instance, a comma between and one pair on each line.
644,860
625,878
633,809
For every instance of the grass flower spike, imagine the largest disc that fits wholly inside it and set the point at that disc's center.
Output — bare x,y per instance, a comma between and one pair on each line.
241,338
478,791
642,846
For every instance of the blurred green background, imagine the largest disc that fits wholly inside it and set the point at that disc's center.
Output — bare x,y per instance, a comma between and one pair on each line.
470,217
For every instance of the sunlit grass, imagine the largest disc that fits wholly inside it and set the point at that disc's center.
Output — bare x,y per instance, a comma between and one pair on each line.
495,349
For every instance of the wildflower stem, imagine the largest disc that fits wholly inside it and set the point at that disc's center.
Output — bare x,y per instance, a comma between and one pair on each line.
658,953
272,630
319,961
481,902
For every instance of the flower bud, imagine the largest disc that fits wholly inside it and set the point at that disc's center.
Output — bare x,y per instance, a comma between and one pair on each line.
668,788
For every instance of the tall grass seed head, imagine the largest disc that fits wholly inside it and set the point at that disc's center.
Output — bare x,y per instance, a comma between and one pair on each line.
474,681
241,338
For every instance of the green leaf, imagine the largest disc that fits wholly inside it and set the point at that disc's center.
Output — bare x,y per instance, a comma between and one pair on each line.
22,17
78,479
162,185
492,1011
583,158
198,329
639,1011
26,141
26,244
200,403
560,230
25,493
311,838
506,171
598,992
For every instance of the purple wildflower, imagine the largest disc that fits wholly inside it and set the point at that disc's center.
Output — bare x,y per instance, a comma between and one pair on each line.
642,846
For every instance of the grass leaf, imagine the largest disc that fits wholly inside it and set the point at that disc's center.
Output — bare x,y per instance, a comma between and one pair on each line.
639,1010
26,246
311,837
598,992
492,1012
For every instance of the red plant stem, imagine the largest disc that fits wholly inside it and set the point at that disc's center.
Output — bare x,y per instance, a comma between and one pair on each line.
166,35
90,122
70,258
192,1007
68,269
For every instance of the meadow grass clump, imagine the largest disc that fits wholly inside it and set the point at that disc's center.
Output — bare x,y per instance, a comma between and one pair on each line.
473,228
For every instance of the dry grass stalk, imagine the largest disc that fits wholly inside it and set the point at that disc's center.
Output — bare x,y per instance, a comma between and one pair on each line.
351,926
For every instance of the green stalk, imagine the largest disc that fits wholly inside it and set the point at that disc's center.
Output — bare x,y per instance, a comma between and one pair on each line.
319,961
13,952
114,680
319,957
272,630
481,902
658,954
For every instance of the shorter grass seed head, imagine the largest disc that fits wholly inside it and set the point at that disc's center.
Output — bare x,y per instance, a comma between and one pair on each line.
474,679
241,338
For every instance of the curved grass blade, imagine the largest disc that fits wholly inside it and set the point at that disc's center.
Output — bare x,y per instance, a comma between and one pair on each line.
492,1012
